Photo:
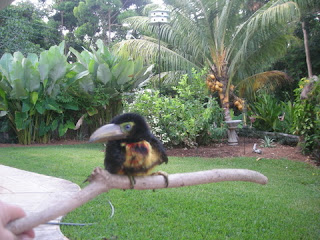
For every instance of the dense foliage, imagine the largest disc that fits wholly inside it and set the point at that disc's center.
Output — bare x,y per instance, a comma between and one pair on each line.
102,79
294,62
23,29
307,119
270,114
29,87
86,21
188,118
43,95
236,40
301,117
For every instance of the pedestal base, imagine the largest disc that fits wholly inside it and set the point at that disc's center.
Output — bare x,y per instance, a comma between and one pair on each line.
232,134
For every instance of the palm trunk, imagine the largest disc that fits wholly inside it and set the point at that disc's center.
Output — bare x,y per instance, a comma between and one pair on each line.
306,48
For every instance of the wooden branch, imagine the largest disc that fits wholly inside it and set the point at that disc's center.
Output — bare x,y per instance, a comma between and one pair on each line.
102,181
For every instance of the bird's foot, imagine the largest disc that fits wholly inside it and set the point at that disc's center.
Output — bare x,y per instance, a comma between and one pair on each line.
132,181
164,174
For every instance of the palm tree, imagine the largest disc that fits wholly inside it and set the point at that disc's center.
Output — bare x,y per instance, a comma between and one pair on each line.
232,39
307,7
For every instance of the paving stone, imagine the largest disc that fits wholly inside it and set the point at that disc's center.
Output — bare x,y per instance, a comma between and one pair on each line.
33,192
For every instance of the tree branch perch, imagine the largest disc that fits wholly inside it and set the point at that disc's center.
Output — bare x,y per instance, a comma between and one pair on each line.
101,181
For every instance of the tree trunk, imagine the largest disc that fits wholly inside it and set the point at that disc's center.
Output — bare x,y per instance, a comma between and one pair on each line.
109,26
306,48
4,3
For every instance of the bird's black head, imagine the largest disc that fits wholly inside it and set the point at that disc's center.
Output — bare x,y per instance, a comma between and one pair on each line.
129,126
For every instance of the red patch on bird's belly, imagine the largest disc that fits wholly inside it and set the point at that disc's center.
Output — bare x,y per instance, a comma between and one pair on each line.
139,147
136,154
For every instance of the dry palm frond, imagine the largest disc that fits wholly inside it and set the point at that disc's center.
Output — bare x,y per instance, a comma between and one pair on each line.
267,80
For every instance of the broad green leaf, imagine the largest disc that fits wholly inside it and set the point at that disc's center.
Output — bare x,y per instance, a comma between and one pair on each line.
53,90
61,47
71,106
25,106
70,125
18,56
62,129
44,72
100,44
2,93
3,100
53,105
92,66
20,120
126,74
70,74
138,65
82,74
31,76
80,58
5,86
58,71
33,58
118,69
6,64
40,106
17,71
86,84
18,91
34,97
54,125
103,74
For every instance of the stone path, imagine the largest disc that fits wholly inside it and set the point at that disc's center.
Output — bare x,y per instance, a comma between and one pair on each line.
32,192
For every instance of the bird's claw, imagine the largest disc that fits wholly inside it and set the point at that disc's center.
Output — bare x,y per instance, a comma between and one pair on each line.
164,174
132,181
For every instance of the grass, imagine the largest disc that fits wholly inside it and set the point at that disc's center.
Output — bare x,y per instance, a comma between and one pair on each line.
288,207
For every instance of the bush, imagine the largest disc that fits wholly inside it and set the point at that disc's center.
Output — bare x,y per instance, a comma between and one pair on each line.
271,114
307,119
189,118
29,87
103,77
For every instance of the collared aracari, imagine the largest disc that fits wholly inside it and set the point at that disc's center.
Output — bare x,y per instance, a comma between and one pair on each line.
131,148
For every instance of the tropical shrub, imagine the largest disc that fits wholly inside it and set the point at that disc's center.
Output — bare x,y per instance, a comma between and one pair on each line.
102,79
271,114
189,118
29,87
267,142
307,119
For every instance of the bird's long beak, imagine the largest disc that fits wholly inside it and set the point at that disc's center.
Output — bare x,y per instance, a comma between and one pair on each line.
106,133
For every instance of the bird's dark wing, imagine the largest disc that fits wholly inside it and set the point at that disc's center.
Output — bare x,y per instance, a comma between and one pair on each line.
114,157
158,147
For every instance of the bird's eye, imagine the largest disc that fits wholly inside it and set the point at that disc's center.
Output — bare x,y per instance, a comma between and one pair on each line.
127,127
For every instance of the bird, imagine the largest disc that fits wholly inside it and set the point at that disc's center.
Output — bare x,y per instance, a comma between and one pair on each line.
131,148
255,149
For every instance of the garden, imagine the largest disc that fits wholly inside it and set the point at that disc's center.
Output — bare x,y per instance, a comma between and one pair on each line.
69,67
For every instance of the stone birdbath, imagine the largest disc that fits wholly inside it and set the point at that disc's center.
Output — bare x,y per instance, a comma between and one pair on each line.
232,134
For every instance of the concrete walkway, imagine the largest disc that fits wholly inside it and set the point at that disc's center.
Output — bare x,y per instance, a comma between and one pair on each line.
32,192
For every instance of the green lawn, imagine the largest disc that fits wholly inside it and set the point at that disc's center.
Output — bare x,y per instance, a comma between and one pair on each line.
288,207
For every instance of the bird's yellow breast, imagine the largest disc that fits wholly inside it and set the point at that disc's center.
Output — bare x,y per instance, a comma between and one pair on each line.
140,158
